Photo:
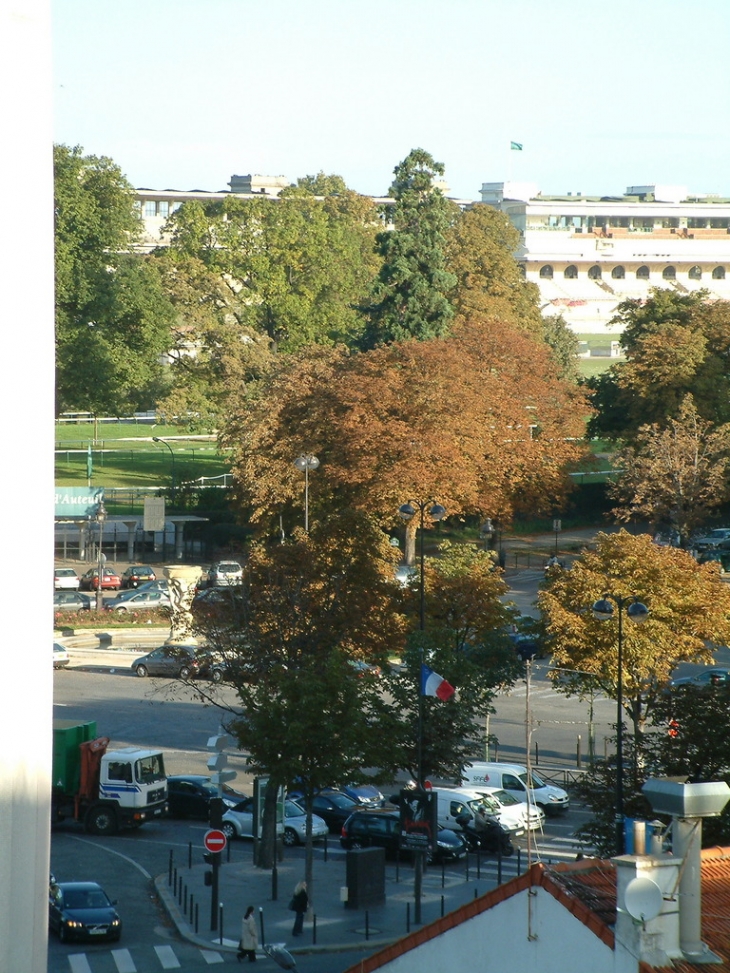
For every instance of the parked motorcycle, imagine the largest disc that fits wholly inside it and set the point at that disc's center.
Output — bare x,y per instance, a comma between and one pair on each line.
492,837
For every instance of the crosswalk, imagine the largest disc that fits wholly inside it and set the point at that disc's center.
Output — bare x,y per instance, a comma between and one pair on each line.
152,959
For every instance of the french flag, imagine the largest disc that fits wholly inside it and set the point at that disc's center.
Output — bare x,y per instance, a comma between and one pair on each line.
432,684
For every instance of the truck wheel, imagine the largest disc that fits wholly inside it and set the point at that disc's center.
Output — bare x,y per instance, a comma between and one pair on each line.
101,820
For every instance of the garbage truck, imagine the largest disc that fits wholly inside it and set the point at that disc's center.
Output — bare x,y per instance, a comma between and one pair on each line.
105,790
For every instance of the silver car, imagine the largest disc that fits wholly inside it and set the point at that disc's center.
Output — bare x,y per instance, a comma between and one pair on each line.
238,822
225,573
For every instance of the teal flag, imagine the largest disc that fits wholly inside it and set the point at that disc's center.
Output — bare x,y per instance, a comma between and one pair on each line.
516,145
89,464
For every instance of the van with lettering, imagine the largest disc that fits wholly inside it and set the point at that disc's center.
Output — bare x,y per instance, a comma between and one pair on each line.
526,786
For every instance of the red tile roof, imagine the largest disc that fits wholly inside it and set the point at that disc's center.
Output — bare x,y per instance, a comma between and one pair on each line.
587,889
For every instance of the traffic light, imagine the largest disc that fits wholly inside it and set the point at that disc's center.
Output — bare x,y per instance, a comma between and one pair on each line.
215,812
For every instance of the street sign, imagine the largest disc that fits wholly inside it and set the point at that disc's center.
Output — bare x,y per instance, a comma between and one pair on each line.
214,840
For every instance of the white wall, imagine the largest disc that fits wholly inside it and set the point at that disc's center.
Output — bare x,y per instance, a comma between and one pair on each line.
26,484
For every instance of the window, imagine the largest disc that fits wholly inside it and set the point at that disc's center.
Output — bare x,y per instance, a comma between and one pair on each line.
570,272
618,273
718,273
669,273
150,208
546,271
695,273
163,208
118,770
595,272
642,273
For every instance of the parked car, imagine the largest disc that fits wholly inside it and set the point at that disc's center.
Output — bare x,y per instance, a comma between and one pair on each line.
720,554
134,600
159,584
365,669
173,661
710,540
334,807
110,580
137,574
60,656
65,579
224,573
82,910
238,822
189,796
715,676
380,828
70,601
365,794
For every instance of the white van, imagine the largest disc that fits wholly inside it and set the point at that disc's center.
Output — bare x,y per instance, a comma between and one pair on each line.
452,802
514,778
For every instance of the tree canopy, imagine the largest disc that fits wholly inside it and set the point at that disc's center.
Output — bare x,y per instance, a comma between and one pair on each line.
689,608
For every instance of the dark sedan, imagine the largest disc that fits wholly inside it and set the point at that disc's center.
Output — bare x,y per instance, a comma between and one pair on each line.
705,677
189,796
82,910
173,661
137,574
334,808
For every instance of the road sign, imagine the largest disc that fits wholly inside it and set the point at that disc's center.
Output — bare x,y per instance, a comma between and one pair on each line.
214,840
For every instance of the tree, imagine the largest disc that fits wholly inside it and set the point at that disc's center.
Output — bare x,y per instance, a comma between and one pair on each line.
676,475
113,318
304,610
410,298
478,421
675,344
689,609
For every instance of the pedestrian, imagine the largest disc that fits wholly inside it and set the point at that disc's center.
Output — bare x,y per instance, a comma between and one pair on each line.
299,904
249,937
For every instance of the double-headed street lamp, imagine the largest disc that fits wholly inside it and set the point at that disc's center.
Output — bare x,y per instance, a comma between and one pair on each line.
156,439
637,612
436,512
305,463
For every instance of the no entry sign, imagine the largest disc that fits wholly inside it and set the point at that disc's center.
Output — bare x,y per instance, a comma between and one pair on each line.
214,840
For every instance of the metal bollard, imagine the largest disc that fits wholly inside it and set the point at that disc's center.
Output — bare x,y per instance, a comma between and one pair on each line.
367,924
185,898
192,910
169,868
174,881
408,917
220,921
261,924
196,918
577,752
479,863
314,929
442,906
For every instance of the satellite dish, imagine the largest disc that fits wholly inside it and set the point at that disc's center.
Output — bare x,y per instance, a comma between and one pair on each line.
643,899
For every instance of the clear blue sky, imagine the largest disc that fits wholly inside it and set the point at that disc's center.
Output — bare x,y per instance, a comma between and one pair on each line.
602,94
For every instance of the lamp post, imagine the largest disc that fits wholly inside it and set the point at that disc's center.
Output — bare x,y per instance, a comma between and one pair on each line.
304,464
100,519
637,612
436,512
164,442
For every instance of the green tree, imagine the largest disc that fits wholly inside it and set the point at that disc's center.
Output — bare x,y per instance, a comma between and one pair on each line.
675,344
676,475
689,609
411,296
113,318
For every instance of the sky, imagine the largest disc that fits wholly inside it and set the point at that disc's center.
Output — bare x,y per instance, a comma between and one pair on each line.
601,94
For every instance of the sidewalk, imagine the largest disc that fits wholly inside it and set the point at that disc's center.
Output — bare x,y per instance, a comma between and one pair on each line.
334,926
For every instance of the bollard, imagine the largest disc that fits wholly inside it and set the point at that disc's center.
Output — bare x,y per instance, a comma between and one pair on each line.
397,867
325,848
185,898
190,854
174,882
479,863
220,921
577,752
367,924
196,918
228,850
408,917
442,906
443,874
519,860
537,753
476,892
169,869
261,923
314,928
467,866
192,897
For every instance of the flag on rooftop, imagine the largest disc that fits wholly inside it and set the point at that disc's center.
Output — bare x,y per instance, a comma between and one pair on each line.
517,146
432,684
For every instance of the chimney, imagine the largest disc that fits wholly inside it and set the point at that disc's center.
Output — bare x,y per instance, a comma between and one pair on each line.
687,804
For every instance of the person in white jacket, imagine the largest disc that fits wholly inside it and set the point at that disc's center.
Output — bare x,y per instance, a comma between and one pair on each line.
249,937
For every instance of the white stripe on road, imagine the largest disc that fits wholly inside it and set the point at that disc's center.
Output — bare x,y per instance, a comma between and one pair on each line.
167,958
79,963
124,961
211,957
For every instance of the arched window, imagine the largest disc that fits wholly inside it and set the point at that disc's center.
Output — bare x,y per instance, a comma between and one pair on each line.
669,273
571,272
695,273
718,273
618,273
642,273
595,272
546,271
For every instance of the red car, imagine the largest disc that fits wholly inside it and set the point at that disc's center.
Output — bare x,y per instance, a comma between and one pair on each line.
110,580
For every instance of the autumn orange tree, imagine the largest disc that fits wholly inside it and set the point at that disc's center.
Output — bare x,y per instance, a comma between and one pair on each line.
675,474
478,421
689,609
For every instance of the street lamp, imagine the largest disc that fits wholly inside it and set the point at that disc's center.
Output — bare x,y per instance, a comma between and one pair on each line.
156,439
637,612
100,519
436,512
304,464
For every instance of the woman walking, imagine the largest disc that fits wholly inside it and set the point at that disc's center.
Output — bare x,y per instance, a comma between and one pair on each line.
299,905
249,937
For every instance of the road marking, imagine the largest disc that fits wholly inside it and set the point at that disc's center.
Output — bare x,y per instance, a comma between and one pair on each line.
167,958
210,957
111,851
79,963
124,961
